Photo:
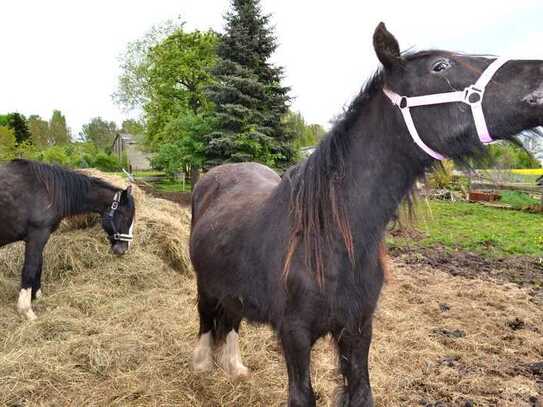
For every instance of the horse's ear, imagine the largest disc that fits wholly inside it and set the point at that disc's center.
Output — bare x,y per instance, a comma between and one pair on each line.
386,46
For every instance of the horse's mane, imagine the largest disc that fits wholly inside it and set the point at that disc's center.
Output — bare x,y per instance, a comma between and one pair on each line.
67,190
317,210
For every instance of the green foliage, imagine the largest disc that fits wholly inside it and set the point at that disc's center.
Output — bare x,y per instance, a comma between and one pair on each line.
133,90
74,155
247,93
7,143
442,176
302,134
134,127
183,144
166,74
518,199
507,156
106,162
39,131
99,132
59,134
17,123
3,120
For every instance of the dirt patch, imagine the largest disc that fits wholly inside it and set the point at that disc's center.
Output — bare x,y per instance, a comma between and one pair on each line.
524,271
181,198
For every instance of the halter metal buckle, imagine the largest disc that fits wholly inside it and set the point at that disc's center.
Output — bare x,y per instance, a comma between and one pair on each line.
473,95
114,205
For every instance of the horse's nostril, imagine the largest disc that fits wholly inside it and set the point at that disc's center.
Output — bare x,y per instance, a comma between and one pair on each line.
534,99
119,251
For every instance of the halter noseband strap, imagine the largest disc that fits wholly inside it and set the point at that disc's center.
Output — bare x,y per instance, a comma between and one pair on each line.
120,237
472,96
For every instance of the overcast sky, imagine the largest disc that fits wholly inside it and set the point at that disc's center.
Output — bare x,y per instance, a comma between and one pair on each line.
64,54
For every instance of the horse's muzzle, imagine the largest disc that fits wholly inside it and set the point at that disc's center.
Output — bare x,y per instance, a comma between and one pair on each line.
120,248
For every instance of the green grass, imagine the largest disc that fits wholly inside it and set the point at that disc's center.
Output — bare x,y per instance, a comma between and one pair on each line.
517,199
147,173
484,230
172,186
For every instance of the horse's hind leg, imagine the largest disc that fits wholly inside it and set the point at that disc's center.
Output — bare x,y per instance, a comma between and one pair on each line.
35,243
202,358
227,336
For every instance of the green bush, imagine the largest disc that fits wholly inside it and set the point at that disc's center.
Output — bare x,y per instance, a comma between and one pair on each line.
442,176
74,155
105,162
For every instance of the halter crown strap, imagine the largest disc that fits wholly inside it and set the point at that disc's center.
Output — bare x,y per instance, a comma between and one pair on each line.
472,95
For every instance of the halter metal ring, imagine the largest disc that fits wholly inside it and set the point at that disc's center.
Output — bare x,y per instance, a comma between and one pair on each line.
473,95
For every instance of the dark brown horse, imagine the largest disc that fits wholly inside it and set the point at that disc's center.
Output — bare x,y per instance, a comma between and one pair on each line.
302,253
35,197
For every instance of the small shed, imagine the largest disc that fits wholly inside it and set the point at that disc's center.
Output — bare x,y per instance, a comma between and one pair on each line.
125,143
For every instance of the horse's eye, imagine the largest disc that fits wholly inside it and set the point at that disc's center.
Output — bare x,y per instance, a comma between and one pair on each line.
441,65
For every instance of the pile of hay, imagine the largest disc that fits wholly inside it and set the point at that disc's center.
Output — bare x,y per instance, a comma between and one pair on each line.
120,331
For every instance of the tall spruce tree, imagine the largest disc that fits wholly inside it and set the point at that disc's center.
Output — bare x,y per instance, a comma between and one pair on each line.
17,123
247,92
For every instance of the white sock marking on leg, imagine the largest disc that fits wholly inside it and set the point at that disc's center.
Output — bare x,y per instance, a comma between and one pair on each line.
24,304
39,294
202,357
230,357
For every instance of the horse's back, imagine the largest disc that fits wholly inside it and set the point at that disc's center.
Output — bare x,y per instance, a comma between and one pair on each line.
232,187
225,203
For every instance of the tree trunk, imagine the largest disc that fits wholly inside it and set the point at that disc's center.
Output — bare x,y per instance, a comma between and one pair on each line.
194,175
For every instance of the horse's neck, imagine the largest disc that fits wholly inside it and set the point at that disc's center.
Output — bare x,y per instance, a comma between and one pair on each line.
381,168
98,200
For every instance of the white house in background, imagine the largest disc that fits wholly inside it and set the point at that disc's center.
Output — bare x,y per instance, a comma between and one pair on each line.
138,160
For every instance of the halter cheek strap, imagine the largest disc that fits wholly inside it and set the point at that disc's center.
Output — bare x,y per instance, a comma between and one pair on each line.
472,96
120,237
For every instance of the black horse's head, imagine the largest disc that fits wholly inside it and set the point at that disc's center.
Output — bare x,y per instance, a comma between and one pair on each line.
118,221
511,102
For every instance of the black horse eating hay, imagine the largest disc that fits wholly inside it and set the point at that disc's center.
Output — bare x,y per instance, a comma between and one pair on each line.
302,253
35,197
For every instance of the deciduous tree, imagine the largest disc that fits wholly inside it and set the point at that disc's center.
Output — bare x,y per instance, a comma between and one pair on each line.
59,134
99,132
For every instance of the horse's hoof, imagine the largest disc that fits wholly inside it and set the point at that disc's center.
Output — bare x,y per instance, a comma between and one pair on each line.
24,304
28,314
202,365
239,372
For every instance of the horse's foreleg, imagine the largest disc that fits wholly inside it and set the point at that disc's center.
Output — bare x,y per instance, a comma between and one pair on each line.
296,345
353,350
35,243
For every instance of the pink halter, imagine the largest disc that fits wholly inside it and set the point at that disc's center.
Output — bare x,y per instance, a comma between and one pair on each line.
472,95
